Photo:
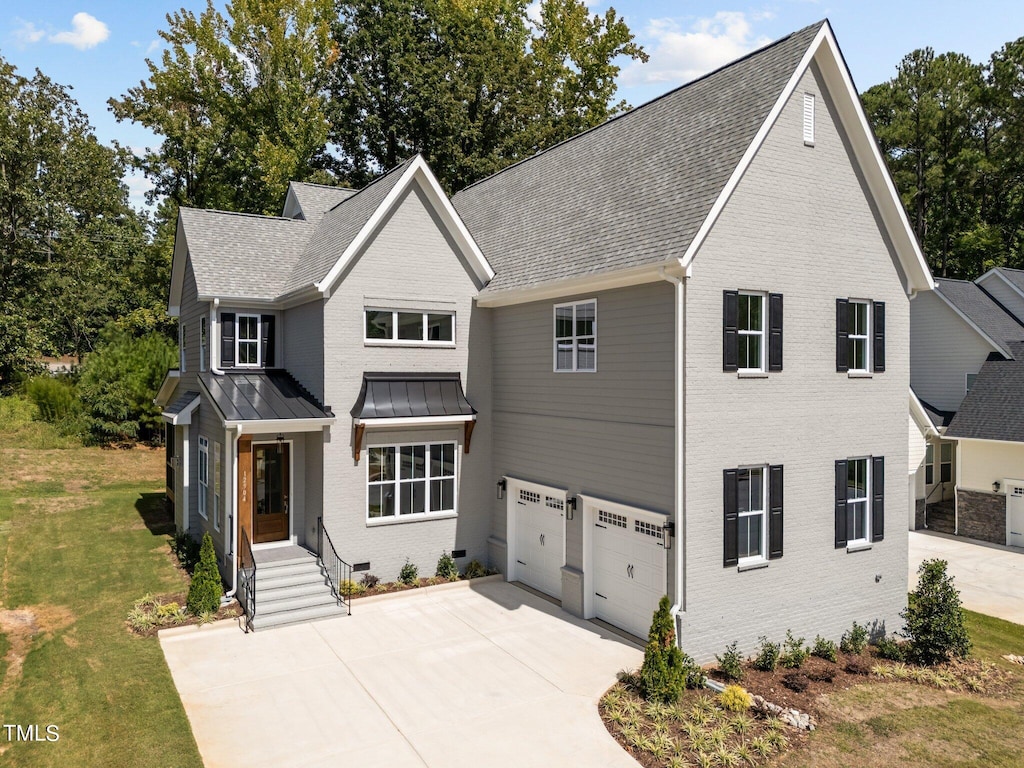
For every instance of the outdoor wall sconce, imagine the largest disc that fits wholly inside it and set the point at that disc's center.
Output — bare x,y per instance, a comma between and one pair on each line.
280,439
995,487
668,532
570,507
502,484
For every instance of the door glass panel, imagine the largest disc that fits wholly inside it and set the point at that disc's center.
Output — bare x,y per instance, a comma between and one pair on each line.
272,480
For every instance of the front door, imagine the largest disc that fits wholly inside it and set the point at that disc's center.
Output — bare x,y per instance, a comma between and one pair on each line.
271,491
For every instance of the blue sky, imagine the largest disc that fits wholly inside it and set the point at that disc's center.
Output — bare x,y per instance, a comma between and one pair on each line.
99,47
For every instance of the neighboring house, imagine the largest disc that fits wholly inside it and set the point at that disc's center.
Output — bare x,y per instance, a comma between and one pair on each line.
967,371
596,370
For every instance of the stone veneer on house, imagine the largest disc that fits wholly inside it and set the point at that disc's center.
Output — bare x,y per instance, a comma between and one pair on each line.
981,516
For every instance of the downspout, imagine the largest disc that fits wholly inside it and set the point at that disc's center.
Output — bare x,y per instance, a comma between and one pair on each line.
956,492
679,606
234,512
215,339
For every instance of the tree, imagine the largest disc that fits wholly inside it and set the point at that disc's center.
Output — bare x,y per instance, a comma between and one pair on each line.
934,618
474,85
239,104
204,591
666,671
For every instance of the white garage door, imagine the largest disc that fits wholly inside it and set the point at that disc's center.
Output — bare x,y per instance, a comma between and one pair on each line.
629,568
540,536
1014,513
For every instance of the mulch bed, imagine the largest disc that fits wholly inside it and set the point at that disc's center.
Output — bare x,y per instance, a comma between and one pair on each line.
230,611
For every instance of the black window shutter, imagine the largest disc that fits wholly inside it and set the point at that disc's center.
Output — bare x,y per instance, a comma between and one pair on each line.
732,519
878,353
841,538
227,339
267,340
774,331
842,336
877,498
730,331
775,512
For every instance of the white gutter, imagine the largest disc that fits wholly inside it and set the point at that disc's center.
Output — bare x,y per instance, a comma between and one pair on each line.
258,426
679,606
214,345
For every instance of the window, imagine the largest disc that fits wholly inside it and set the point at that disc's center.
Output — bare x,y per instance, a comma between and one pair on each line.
182,339
860,336
576,336
752,331
408,327
750,328
247,341
929,464
202,344
410,480
969,381
216,486
809,119
753,515
946,462
860,501
204,474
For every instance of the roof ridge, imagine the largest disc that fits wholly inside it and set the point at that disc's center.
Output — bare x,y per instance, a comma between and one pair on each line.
242,213
323,186
647,103
379,178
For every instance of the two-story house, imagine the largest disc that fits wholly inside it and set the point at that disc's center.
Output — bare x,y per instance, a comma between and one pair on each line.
669,356
967,372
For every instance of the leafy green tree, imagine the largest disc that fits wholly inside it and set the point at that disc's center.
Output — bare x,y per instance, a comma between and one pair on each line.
666,671
934,617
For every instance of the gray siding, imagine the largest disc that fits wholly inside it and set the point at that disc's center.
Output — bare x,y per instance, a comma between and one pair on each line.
303,348
799,223
943,349
191,310
1005,295
408,264
607,434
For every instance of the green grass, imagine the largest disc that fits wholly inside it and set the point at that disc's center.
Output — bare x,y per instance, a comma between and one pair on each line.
20,426
77,549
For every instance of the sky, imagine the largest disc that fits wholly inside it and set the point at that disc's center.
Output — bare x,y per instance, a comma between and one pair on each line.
100,47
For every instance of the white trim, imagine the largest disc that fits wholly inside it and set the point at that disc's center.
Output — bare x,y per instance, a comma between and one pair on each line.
808,119
866,336
239,340
512,484
588,506
183,417
182,346
745,562
186,485
167,387
204,344
981,440
574,338
420,171
394,341
763,333
601,281
855,544
825,51
921,415
218,480
203,462
414,421
967,386
291,539
1007,481
988,339
178,258
997,272
426,479
257,426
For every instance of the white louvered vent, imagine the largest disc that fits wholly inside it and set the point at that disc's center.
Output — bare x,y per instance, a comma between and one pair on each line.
809,119
603,516
530,496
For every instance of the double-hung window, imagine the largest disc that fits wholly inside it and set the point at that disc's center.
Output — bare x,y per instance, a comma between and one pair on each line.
247,341
410,327
860,501
860,336
204,474
929,464
750,329
857,341
857,520
182,341
576,336
752,332
408,481
753,515
216,485
945,462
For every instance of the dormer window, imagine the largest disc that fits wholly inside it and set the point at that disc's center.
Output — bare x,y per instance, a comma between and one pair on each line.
247,343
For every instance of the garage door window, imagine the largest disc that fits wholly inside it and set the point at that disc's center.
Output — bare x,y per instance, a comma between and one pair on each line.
410,480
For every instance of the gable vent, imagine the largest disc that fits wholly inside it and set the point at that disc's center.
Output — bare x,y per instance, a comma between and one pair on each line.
809,119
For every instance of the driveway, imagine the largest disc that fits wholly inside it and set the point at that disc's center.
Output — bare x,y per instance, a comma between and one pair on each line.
481,673
990,578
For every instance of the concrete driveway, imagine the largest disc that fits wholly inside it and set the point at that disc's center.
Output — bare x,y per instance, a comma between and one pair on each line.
990,578
482,673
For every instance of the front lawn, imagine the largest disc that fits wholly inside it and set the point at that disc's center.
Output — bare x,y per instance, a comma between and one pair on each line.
81,538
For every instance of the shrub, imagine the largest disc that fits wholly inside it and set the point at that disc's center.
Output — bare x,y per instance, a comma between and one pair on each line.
349,588
369,581
446,567
205,591
822,675
735,699
857,666
794,652
824,649
409,573
934,618
186,549
767,656
666,670
55,397
796,681
474,570
888,648
854,639
730,663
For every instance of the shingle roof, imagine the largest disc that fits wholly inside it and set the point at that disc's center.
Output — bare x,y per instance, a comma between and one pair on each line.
316,199
994,408
633,190
1015,276
183,401
983,310
939,417
261,395
237,254
411,395
338,228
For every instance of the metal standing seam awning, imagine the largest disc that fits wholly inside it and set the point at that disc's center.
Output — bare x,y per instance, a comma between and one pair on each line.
411,400
264,401
179,413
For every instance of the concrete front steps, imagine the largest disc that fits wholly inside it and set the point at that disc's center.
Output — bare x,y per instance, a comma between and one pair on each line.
291,589
941,517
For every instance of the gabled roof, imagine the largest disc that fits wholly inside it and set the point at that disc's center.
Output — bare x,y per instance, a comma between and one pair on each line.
982,312
312,201
937,416
644,188
994,408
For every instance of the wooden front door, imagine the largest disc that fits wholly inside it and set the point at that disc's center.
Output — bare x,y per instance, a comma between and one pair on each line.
271,491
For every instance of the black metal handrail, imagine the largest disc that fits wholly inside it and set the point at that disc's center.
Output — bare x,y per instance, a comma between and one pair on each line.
247,581
339,573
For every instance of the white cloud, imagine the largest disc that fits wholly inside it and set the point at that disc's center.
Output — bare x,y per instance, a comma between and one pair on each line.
28,33
138,185
679,55
153,45
86,32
